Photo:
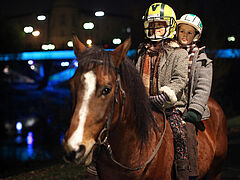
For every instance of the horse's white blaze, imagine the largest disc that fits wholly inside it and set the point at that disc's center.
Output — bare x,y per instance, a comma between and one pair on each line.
89,88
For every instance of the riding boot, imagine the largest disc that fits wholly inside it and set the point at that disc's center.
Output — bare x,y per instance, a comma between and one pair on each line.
182,169
192,146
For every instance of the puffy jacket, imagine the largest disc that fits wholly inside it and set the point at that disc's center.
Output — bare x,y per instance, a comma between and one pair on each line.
200,83
173,71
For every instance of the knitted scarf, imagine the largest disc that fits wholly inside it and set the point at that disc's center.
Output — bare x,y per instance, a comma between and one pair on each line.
191,49
149,68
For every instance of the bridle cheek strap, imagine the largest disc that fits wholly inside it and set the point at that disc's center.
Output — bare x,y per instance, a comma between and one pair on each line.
104,133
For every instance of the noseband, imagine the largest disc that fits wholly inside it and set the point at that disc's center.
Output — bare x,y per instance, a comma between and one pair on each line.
102,139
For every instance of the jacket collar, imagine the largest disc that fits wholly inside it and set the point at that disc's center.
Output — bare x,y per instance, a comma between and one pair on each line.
203,55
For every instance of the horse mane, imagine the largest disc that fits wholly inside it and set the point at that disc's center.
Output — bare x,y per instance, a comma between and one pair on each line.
132,81
139,98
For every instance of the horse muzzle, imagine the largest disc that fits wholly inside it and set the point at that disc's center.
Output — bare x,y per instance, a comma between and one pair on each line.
75,156
80,156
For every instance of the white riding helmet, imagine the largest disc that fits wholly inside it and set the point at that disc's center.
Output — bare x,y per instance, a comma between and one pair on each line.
193,21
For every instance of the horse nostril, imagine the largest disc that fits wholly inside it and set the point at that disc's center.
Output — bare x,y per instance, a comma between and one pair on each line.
81,151
69,157
74,156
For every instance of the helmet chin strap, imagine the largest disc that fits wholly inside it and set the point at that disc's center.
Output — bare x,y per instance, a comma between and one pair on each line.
159,38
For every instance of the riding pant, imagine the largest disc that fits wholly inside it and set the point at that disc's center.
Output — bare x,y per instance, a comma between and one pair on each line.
177,124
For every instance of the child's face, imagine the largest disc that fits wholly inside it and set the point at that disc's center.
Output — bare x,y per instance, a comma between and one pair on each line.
159,28
186,34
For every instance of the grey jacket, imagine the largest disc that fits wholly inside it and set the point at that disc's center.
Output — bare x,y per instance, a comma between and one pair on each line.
200,83
172,76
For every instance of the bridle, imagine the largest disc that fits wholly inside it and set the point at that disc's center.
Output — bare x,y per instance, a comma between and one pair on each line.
102,139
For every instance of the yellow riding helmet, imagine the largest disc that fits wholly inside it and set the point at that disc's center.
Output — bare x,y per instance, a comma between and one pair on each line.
160,12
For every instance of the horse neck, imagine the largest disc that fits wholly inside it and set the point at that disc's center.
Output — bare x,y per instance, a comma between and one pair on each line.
125,142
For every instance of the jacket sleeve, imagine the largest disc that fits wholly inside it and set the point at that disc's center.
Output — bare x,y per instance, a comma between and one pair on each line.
179,72
201,86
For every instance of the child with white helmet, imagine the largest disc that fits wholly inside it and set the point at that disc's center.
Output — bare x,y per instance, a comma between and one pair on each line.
163,64
199,82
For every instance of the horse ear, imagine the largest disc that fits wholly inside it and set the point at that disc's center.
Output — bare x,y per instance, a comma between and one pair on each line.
120,52
78,46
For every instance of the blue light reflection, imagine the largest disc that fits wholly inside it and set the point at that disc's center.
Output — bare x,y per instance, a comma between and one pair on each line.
29,138
47,55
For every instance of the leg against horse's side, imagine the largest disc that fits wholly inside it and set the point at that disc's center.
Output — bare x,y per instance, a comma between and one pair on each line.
213,143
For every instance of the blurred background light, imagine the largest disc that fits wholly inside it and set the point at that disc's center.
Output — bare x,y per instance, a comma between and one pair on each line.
117,41
41,17
75,63
18,139
128,29
89,42
99,13
30,122
29,138
30,62
231,38
28,29
70,44
19,126
36,33
51,46
50,55
88,25
32,67
46,47
65,64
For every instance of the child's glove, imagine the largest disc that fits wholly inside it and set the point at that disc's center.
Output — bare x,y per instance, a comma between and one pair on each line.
159,100
192,116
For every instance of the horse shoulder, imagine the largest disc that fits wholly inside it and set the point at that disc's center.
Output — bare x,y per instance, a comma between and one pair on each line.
163,162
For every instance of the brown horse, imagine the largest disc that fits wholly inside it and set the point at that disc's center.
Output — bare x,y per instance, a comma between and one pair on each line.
111,109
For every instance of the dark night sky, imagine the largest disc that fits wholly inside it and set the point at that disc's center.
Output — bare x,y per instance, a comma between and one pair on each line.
215,7
219,17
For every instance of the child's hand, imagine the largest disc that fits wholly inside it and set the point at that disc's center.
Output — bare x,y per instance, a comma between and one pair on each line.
192,116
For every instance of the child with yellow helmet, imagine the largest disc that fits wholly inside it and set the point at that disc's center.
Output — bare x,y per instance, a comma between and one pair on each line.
199,82
163,65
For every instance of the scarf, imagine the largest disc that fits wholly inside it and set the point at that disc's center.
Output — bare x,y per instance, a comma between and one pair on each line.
191,49
149,68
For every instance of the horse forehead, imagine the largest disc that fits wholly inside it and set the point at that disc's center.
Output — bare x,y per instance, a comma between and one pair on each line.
90,80
104,75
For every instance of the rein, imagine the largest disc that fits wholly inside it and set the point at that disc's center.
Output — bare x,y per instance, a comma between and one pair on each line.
102,138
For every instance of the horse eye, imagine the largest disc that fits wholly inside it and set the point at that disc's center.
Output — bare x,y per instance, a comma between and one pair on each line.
106,91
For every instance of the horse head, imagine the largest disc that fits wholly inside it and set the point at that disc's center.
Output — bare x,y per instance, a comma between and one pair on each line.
93,89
